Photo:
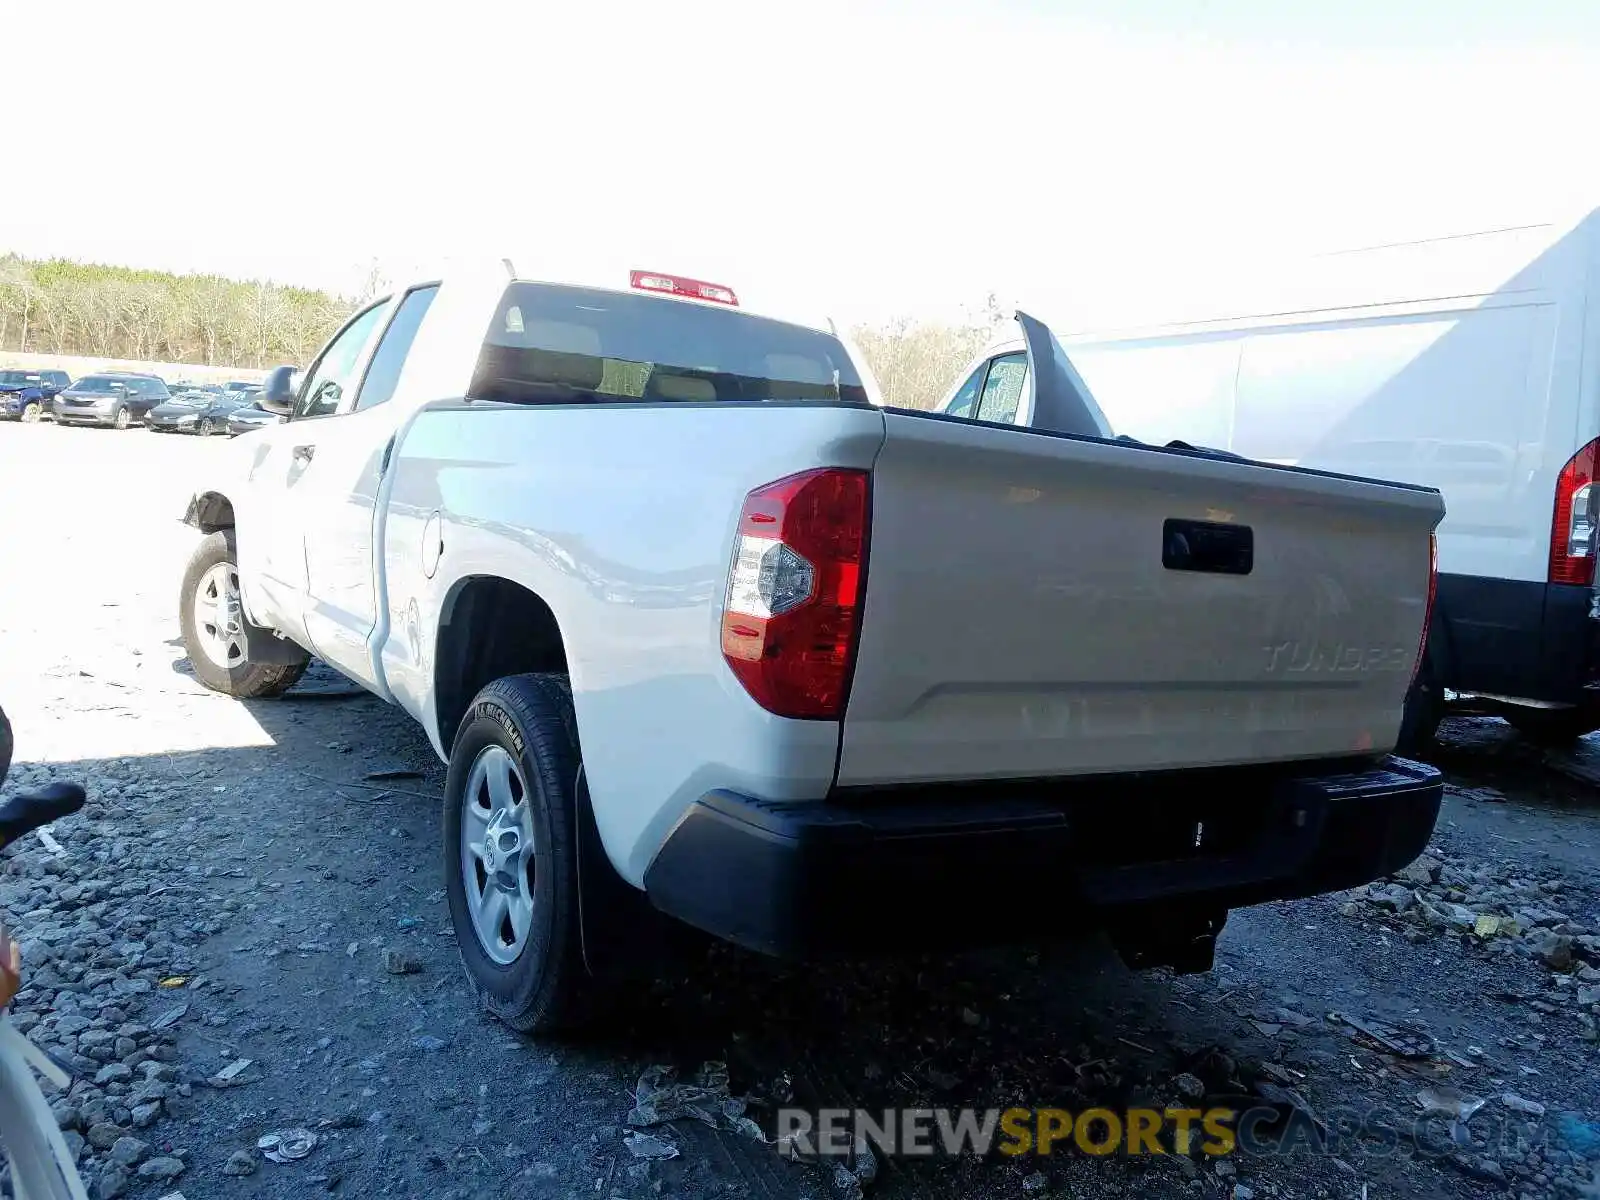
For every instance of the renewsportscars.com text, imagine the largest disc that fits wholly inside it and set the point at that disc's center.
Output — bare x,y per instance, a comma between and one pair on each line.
923,1132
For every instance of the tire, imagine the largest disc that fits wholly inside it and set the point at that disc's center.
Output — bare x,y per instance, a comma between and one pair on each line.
32,411
219,670
119,419
7,745
205,428
1554,726
537,984
1424,709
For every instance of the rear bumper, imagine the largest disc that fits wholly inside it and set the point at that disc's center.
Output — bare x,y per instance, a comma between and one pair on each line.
991,865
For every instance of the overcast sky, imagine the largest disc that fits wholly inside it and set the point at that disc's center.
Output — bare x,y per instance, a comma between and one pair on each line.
862,158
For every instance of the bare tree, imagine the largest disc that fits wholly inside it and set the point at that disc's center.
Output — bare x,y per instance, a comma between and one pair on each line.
915,362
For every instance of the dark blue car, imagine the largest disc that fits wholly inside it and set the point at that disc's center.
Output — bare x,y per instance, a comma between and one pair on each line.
25,394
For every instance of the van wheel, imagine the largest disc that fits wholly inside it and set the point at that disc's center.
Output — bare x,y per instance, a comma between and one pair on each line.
119,419
212,623
510,852
1554,726
31,411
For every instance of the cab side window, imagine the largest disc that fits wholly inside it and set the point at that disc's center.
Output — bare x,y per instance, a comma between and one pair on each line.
1002,390
383,373
335,372
965,401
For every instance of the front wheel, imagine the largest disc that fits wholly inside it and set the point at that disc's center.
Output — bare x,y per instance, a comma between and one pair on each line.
510,852
211,618
206,427
1554,726
32,411
119,419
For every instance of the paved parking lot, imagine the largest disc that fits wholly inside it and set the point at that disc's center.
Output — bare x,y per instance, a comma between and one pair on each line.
240,889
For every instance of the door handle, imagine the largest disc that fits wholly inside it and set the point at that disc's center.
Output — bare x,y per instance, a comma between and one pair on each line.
304,453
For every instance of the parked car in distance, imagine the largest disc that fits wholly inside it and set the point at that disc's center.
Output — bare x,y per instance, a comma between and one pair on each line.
177,389
248,417
701,631
241,388
199,412
113,398
25,394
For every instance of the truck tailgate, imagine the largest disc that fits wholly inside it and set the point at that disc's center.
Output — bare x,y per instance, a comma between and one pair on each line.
1039,605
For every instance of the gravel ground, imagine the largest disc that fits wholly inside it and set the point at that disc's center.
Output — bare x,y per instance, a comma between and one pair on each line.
241,891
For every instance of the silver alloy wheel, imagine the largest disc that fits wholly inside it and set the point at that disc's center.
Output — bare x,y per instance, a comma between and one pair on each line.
121,419
219,616
498,854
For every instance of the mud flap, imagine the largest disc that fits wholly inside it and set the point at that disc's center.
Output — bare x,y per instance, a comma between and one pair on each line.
264,646
623,936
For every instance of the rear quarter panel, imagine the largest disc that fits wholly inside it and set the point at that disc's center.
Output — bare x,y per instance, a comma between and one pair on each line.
621,518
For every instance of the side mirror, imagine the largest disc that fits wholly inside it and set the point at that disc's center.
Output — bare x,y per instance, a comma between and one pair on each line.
277,393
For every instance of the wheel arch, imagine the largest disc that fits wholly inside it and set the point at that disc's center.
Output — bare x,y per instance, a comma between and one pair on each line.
489,626
209,512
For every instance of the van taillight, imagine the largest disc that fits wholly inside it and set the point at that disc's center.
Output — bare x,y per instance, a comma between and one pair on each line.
1427,612
1572,527
793,606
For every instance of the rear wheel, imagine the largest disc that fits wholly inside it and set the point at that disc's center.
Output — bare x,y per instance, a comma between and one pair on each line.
1554,726
510,852
212,619
1424,709
6,745
32,411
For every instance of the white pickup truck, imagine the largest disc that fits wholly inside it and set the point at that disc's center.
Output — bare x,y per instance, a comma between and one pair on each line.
702,631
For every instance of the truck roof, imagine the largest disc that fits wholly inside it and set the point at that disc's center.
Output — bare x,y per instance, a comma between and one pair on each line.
505,269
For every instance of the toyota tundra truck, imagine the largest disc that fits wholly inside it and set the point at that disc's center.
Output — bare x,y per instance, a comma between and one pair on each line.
710,638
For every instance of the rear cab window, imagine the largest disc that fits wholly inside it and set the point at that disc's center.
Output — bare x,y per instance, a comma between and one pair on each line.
554,344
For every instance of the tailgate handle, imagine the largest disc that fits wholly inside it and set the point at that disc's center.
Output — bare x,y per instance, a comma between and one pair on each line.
1207,546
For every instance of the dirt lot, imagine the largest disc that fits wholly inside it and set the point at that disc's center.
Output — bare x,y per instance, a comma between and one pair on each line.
240,888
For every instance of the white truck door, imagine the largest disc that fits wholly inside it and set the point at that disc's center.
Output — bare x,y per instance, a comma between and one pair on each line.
278,478
339,500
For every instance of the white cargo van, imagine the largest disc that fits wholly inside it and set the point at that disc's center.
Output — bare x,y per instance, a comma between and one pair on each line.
1470,364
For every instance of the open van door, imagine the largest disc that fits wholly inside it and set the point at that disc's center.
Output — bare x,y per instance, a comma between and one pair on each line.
1062,402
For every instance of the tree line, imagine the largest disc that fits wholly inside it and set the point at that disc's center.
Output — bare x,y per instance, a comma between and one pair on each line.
58,306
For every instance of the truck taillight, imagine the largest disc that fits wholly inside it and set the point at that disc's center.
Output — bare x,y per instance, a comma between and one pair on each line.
682,285
1572,526
1427,612
793,606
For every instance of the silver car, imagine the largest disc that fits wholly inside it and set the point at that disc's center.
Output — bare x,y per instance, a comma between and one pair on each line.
115,398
